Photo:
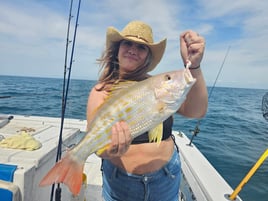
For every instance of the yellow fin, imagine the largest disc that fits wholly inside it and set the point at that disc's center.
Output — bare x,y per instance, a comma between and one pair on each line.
101,150
156,134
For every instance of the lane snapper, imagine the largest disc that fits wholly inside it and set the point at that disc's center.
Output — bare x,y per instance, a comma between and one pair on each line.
143,105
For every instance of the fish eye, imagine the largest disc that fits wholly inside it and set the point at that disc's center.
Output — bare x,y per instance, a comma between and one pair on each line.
167,77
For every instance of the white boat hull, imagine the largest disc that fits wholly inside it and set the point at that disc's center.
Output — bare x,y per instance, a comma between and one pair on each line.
200,182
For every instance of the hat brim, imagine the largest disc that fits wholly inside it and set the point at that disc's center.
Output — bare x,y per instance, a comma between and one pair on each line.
157,49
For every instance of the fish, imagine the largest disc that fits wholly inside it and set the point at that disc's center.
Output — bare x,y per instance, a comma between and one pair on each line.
142,105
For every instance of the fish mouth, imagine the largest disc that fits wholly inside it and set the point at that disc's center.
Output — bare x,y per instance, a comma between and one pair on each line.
188,76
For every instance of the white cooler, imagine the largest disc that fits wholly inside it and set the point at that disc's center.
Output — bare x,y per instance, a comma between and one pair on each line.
33,165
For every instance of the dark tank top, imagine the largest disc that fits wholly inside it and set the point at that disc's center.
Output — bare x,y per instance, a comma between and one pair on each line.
167,131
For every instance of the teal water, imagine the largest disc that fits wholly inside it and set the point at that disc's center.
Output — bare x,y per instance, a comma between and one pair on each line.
233,134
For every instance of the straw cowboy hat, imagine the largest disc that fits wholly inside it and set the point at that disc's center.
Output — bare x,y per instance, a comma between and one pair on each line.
138,32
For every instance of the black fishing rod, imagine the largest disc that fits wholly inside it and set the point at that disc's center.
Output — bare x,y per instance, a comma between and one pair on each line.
197,129
65,89
63,99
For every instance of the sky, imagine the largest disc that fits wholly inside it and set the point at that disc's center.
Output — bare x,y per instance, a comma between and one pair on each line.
33,36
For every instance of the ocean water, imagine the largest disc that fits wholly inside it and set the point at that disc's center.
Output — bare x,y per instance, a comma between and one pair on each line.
233,135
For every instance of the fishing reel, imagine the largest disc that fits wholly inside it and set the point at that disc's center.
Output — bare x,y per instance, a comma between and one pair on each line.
265,106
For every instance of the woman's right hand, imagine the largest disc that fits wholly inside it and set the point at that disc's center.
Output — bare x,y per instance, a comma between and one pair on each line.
192,47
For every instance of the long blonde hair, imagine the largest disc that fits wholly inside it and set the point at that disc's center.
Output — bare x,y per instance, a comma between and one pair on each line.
109,68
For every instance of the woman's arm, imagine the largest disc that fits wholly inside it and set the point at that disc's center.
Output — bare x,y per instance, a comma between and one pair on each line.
192,49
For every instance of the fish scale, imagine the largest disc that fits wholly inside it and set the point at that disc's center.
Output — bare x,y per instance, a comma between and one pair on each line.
142,105
133,117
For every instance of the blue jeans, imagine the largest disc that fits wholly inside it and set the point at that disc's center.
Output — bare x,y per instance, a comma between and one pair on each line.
161,185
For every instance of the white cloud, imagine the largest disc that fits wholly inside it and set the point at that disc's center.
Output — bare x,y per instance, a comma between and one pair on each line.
33,36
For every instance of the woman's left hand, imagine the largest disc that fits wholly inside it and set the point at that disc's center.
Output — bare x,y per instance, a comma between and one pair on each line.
192,47
120,140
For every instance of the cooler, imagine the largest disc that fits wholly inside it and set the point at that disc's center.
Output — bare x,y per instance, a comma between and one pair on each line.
33,165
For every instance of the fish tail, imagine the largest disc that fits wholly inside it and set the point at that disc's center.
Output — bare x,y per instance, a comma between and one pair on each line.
69,171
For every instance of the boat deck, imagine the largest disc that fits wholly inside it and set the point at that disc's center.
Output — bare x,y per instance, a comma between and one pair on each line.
200,180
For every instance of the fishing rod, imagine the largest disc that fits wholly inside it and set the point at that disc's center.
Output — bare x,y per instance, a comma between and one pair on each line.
63,100
197,129
260,160
65,89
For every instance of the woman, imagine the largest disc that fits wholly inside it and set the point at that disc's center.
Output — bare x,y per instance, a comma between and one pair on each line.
134,169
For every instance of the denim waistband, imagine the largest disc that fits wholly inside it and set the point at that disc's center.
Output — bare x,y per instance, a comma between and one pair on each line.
116,171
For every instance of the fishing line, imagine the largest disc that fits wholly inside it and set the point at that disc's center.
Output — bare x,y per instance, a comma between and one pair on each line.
65,90
197,130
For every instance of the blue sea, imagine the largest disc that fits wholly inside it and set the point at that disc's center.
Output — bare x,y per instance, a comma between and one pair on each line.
233,135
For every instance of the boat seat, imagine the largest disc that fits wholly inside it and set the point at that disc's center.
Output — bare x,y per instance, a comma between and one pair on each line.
8,190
